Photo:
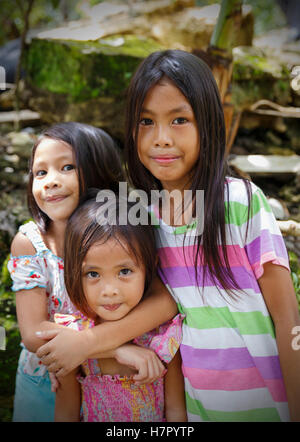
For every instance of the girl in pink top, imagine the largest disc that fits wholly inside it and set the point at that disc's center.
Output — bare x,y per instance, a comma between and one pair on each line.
108,268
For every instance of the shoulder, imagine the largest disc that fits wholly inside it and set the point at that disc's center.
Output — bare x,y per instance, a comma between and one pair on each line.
21,245
240,191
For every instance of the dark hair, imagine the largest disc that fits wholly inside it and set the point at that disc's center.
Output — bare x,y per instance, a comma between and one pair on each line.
85,229
97,160
194,79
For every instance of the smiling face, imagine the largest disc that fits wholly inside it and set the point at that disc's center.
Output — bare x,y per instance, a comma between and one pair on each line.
55,184
112,281
168,140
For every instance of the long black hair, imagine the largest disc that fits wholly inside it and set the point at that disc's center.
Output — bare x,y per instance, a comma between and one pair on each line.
195,80
97,159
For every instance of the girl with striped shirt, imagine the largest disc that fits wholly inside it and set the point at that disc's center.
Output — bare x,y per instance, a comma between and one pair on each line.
231,278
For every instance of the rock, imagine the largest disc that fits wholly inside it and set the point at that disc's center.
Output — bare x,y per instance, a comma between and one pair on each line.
24,116
81,71
279,209
265,165
192,28
20,143
277,43
7,99
100,73
13,213
257,75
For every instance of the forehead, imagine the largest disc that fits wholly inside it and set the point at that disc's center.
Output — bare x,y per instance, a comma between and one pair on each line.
49,148
116,247
165,94
117,250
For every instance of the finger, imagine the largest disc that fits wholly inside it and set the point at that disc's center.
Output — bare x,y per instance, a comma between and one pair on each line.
45,359
47,334
43,350
61,373
142,368
54,382
161,369
53,368
147,375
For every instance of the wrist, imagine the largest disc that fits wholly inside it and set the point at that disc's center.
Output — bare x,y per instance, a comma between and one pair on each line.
89,343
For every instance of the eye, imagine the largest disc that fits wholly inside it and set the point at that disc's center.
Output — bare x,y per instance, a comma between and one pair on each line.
40,173
180,120
92,274
146,122
68,167
125,272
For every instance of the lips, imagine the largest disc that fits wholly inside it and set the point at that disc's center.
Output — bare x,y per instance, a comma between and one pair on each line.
54,198
111,307
165,159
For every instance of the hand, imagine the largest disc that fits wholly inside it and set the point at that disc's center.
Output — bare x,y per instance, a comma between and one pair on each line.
144,360
54,382
64,352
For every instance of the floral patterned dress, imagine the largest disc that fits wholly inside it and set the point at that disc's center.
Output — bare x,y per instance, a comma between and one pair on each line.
46,270
107,398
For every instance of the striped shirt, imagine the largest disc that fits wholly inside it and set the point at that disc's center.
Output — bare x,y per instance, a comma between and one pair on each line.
229,353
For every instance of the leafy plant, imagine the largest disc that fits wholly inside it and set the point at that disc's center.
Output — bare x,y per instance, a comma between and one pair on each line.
295,273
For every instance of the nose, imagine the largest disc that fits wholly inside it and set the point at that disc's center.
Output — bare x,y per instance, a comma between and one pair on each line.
52,180
163,136
109,290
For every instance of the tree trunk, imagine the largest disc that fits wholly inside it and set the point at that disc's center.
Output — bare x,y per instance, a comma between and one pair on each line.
220,53
26,10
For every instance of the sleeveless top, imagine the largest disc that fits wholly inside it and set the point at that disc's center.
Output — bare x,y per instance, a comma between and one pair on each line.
46,270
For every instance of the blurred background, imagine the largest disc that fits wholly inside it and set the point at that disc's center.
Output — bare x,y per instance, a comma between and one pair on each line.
72,60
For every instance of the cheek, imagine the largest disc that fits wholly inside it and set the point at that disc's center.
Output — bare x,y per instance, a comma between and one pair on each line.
139,288
74,185
144,138
88,293
36,189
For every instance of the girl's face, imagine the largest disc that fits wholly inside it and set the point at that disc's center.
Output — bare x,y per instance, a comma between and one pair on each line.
55,184
168,140
113,282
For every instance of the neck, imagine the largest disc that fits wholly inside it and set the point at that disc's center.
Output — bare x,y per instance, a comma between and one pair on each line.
177,209
54,237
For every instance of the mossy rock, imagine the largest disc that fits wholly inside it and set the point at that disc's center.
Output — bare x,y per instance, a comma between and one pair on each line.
256,76
86,70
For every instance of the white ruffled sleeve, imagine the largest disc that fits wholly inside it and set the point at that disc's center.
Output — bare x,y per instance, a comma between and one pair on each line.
27,272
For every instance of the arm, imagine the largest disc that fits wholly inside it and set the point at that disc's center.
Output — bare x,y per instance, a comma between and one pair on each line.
68,399
277,289
31,305
157,308
175,409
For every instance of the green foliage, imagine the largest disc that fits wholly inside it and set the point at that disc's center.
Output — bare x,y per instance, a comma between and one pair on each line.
44,13
267,15
9,357
295,272
83,71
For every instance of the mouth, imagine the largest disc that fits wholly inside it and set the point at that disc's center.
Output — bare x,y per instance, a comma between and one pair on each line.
165,159
111,307
55,198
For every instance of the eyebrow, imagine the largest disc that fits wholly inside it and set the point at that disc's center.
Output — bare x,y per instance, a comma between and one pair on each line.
183,108
59,158
121,264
